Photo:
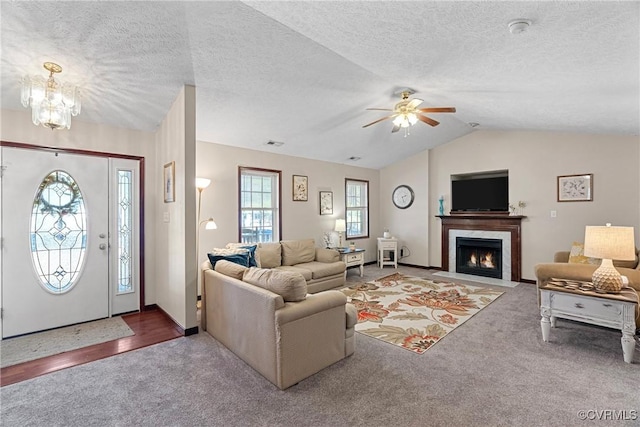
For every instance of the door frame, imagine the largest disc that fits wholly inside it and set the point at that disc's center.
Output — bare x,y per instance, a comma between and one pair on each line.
141,162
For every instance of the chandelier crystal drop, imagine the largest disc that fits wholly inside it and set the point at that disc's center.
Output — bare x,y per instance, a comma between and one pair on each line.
52,102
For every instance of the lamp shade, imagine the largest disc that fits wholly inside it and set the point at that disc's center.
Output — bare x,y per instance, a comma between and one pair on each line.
607,242
211,224
202,183
341,225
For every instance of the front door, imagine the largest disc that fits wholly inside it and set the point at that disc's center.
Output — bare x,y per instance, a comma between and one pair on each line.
55,244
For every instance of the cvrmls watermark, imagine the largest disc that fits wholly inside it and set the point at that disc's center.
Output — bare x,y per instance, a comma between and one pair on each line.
608,415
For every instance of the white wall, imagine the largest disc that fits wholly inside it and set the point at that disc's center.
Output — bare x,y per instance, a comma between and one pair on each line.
299,219
410,226
16,126
534,161
176,222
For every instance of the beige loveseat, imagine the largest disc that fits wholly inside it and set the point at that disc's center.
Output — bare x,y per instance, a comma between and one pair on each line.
562,269
320,267
266,317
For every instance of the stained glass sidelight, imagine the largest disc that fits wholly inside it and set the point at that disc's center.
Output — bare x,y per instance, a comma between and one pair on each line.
58,232
125,231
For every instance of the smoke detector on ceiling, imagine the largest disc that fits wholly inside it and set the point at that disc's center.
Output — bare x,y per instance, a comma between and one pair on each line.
518,26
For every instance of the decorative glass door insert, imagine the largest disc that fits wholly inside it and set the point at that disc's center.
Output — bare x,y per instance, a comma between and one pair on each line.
58,232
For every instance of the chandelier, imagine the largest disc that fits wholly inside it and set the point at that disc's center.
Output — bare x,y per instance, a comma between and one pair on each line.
52,102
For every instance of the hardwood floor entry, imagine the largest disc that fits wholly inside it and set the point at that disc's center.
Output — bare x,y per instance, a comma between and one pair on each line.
149,327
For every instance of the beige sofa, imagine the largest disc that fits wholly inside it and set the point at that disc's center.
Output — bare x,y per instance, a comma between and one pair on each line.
562,269
320,267
270,322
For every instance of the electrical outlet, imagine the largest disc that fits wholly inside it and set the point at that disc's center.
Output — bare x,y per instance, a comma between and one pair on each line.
401,252
554,214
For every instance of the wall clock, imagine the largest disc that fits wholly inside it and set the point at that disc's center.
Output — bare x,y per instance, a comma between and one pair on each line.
402,196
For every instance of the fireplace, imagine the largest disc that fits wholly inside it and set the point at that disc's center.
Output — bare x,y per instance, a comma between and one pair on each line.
484,226
481,257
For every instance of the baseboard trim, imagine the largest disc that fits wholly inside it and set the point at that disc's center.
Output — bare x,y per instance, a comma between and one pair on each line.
191,331
416,266
185,332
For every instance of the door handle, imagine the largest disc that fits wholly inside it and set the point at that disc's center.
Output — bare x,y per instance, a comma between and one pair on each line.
103,246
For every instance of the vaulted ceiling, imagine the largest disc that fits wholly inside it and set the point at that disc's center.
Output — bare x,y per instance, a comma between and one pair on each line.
303,73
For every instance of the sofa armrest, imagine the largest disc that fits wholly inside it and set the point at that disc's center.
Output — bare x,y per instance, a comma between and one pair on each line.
562,256
327,255
561,270
314,303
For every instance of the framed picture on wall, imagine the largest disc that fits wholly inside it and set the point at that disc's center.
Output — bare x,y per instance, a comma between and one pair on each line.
326,203
575,188
168,179
300,188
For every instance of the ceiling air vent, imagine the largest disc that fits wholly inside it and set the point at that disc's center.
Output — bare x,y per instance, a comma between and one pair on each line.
275,143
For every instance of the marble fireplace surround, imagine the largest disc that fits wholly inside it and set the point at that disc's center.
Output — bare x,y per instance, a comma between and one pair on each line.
484,226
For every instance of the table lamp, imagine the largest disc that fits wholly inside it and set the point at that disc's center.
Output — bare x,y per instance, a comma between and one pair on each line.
608,243
341,227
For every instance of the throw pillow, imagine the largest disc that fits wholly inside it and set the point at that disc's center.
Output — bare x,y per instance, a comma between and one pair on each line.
576,256
298,251
239,256
251,248
230,269
289,285
268,255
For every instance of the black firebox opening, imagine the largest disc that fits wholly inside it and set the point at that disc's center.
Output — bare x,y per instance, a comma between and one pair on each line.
481,257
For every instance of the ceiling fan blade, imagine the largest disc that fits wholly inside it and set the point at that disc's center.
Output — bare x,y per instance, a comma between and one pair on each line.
380,109
396,128
438,110
427,120
378,121
414,103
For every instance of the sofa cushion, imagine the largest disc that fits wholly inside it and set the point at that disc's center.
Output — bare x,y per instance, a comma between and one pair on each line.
289,285
298,251
268,255
239,256
327,255
323,269
306,273
230,269
251,248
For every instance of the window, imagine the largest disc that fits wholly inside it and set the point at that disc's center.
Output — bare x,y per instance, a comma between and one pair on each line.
357,203
125,231
259,205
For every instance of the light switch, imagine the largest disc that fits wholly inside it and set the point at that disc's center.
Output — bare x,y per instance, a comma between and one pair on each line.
165,217
554,214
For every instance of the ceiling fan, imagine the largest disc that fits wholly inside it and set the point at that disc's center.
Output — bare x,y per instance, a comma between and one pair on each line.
406,113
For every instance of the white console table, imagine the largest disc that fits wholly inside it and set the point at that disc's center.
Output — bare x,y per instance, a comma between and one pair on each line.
616,311
387,252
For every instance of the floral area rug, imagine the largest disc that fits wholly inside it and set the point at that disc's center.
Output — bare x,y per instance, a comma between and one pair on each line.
412,312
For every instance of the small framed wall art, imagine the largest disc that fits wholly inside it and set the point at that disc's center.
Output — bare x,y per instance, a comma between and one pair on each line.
300,188
575,188
326,203
168,179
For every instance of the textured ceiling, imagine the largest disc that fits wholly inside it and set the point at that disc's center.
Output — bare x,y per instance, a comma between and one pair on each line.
304,72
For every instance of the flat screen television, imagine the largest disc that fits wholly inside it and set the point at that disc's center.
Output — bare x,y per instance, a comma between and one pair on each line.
480,194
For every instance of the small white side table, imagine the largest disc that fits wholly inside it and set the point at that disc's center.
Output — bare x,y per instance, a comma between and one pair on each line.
387,252
353,257
616,311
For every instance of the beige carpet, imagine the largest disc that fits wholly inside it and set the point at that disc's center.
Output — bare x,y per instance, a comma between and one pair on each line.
412,312
41,344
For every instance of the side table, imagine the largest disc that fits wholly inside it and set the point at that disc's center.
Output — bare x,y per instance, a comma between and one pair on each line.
577,301
352,257
388,247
